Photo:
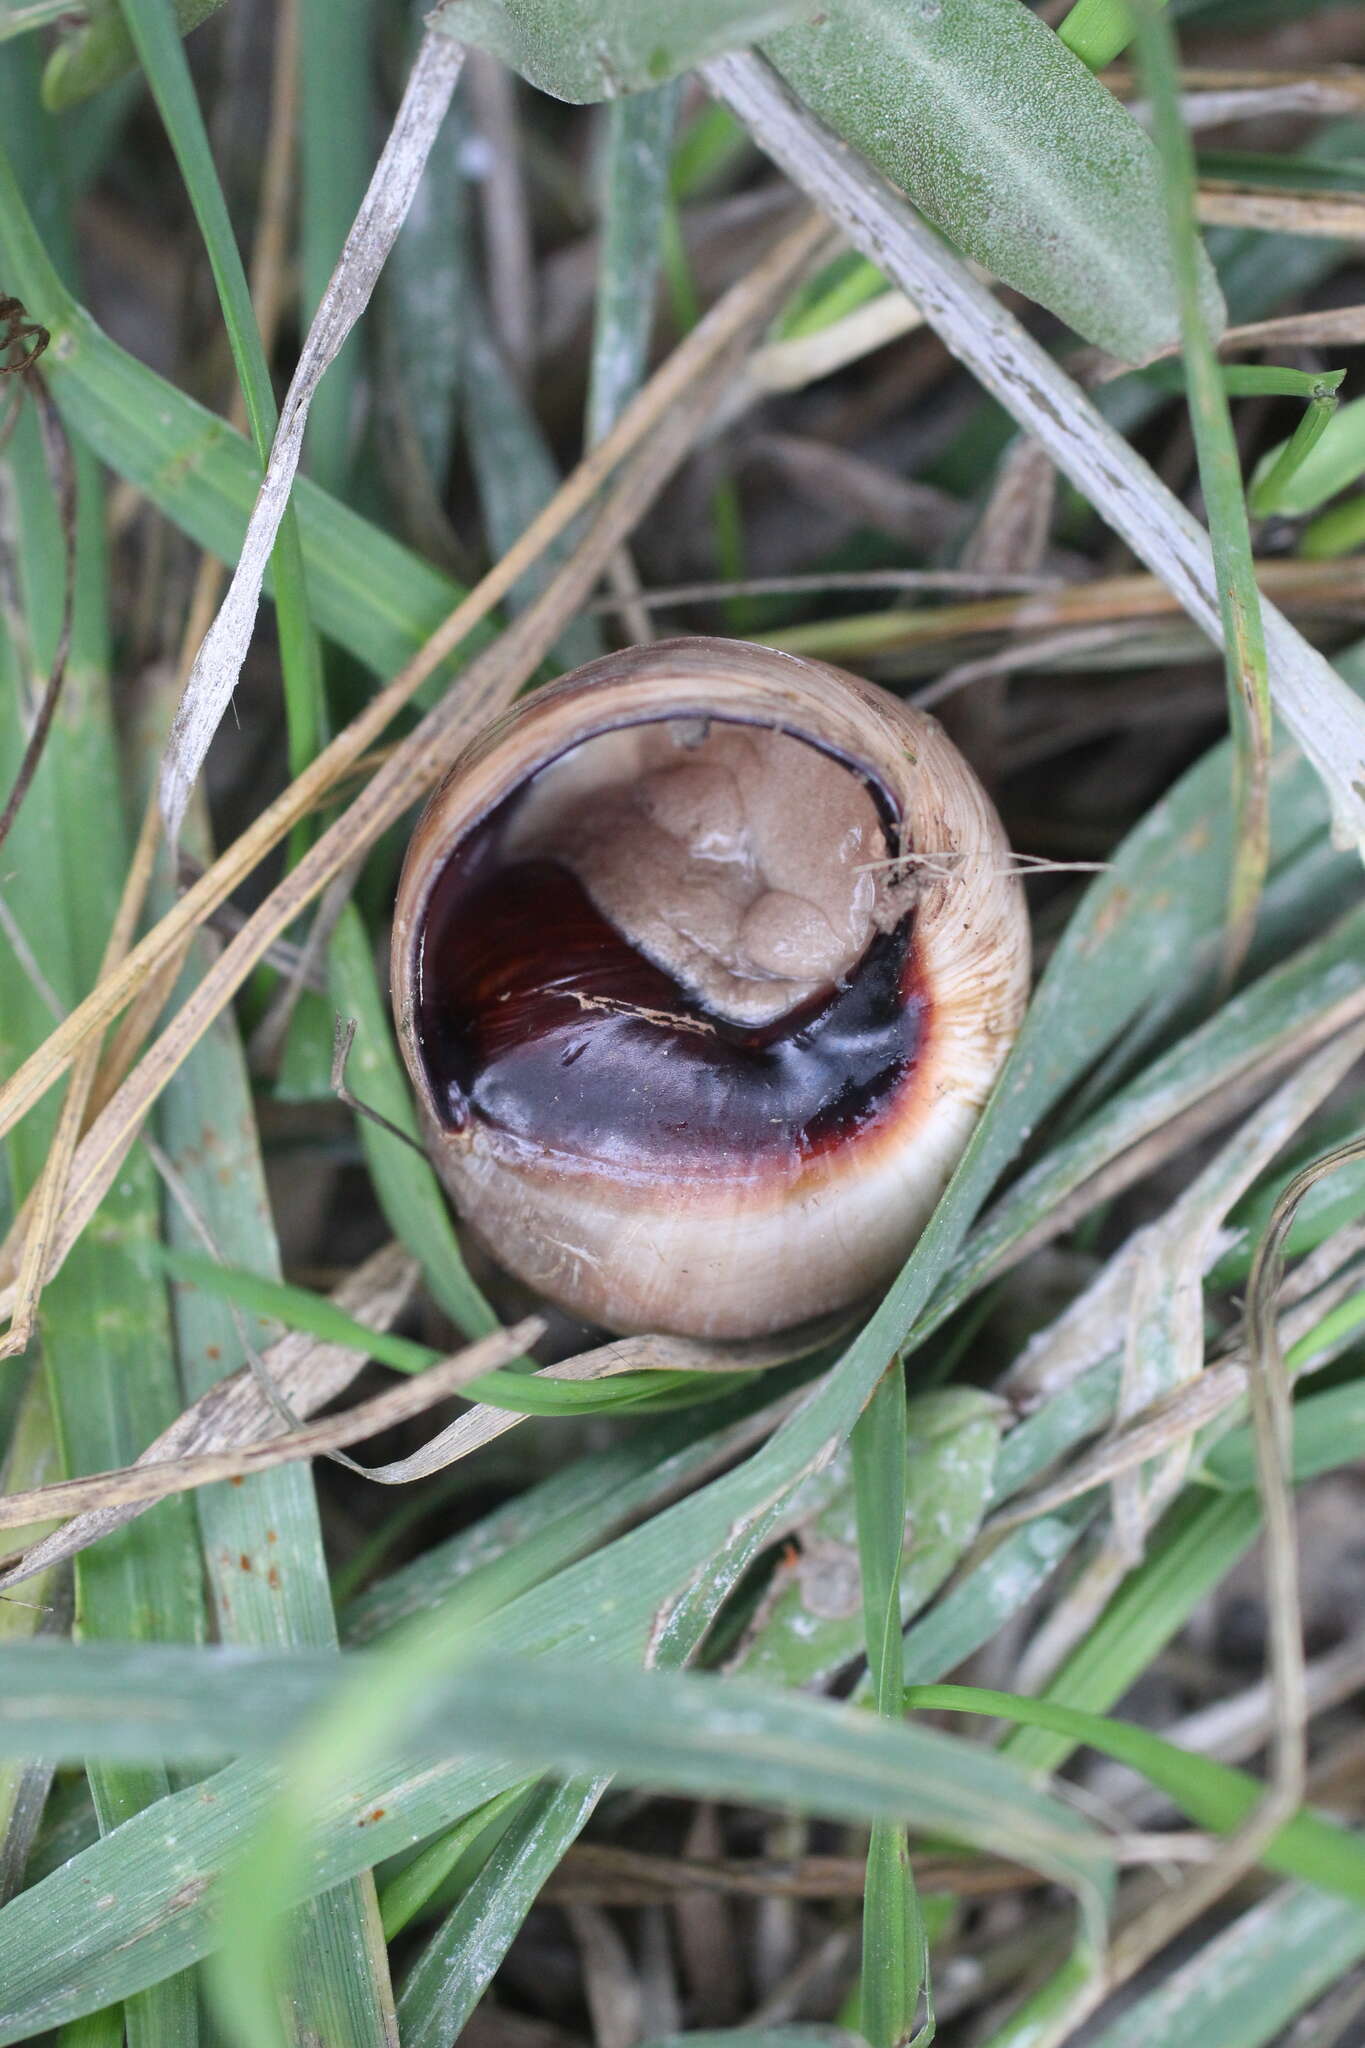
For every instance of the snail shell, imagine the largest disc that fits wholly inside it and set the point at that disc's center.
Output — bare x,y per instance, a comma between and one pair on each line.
705,959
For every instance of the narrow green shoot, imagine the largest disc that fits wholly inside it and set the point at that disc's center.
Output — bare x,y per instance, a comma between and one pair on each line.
1220,475
895,1950
1335,462
1266,491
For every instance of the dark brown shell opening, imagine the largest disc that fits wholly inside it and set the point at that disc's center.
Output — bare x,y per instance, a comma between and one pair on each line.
537,1018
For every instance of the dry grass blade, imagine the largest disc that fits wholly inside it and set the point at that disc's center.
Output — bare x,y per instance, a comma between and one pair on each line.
41,1210
1288,1756
1325,327
1340,216
1094,1325
210,1440
817,583
306,1373
143,1484
742,311
482,1426
396,175
1326,719
1272,1419
1331,89
1025,654
1318,588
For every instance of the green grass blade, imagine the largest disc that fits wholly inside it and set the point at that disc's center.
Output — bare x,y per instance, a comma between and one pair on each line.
335,159
516,475
265,1564
573,1511
96,2030
518,1393
1198,1543
104,1321
763,2037
635,182
422,299
404,1182
1338,532
455,1968
372,595
1244,1985
1220,475
660,1728
406,1894
152,26
1335,462
809,1628
31,1459
1098,30
1210,1794
1272,1012
1266,491
1329,1428
894,1953
991,1594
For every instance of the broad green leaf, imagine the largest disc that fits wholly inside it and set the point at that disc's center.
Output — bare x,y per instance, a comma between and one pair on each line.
812,1621
597,49
1011,148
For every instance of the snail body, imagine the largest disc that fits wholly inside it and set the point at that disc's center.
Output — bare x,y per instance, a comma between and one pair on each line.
705,958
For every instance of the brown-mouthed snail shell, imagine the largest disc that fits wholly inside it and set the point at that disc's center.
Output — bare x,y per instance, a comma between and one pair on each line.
705,958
